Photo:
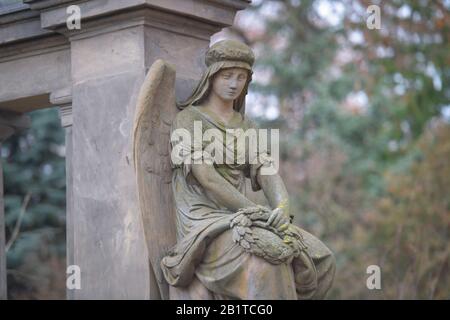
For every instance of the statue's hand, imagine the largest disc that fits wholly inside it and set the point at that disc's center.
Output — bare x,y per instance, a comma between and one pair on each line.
279,219
256,213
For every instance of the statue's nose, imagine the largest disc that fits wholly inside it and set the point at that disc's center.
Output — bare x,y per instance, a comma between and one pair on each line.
233,84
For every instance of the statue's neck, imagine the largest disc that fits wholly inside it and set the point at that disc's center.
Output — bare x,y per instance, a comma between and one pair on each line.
221,108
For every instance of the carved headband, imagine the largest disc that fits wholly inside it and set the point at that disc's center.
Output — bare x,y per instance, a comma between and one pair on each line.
235,53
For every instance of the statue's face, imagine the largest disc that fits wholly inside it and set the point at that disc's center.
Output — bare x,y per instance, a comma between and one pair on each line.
229,83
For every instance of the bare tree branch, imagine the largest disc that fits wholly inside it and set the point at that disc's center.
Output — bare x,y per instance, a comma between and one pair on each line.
16,230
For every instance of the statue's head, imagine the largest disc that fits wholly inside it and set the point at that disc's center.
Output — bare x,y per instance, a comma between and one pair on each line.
229,83
228,74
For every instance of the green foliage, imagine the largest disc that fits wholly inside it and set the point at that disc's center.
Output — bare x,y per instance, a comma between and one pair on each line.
351,167
415,214
34,187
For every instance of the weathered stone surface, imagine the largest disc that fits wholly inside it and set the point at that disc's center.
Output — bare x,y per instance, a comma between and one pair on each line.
227,246
109,246
216,12
151,159
3,293
26,28
104,96
27,80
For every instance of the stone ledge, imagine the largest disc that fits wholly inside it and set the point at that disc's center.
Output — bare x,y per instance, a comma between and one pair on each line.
13,8
42,18
20,23
22,28
219,13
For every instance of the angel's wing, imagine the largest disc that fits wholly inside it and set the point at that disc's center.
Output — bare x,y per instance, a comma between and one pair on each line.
155,111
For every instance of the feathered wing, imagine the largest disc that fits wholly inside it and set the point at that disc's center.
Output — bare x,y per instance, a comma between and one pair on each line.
155,111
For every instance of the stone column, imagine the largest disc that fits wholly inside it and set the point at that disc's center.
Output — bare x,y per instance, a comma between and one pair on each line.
109,246
10,123
63,99
3,292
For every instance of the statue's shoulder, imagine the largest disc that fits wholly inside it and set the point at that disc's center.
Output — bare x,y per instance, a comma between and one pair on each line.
250,123
186,117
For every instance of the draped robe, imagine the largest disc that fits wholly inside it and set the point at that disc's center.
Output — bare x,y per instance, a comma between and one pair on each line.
206,262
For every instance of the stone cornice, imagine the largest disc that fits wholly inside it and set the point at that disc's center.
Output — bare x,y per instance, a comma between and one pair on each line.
15,12
42,18
20,23
220,13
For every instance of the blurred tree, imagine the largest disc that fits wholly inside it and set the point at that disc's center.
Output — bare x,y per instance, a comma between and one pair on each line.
353,105
406,62
34,184
415,215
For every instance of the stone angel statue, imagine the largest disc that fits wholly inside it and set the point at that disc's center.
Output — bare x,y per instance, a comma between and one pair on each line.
206,238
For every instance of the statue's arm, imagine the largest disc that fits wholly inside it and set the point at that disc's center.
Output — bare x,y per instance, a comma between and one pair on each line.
220,188
278,197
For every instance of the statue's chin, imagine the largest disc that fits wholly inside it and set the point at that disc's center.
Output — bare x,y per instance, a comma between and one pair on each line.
228,97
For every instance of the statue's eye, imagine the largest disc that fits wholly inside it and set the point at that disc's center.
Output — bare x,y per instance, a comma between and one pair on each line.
227,75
